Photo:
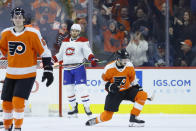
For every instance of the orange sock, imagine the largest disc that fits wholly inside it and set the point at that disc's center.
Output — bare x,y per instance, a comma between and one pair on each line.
105,116
139,102
7,114
18,104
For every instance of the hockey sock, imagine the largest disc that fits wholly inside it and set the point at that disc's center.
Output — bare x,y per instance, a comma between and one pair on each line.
7,114
139,103
85,100
105,116
18,104
72,100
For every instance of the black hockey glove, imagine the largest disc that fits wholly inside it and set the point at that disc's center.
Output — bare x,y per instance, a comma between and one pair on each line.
112,87
48,71
138,87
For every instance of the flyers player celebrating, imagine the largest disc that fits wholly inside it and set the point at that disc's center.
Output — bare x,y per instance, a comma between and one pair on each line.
73,51
120,75
21,45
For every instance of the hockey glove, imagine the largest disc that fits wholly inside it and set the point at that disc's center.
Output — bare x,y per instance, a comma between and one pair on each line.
48,71
93,61
112,87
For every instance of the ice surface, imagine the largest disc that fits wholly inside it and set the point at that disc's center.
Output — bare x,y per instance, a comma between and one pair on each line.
160,122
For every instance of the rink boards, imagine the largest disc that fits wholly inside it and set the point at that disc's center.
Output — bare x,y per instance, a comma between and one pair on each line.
174,90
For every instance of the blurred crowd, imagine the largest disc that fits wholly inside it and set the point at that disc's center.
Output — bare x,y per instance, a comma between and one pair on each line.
137,25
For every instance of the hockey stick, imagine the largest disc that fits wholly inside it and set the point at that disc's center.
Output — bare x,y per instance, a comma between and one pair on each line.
152,97
78,64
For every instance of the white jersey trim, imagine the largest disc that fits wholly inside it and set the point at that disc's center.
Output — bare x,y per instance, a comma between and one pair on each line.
21,71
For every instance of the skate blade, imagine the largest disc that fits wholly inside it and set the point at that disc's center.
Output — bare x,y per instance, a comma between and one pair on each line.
133,124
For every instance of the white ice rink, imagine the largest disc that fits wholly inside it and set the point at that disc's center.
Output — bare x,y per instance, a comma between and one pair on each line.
160,122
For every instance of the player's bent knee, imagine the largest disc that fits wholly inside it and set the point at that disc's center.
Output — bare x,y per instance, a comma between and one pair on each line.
141,95
106,116
7,105
18,102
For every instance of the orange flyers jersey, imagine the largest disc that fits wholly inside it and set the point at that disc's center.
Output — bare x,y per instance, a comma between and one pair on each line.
126,75
21,50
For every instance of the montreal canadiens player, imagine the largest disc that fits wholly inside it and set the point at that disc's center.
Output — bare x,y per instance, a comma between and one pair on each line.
73,52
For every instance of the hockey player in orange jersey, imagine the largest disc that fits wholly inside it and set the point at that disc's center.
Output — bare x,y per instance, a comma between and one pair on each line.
120,75
21,45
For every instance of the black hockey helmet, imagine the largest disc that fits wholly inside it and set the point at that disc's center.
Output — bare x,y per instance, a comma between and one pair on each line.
17,11
122,54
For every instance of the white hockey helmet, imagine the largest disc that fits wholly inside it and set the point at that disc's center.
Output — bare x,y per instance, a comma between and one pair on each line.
76,27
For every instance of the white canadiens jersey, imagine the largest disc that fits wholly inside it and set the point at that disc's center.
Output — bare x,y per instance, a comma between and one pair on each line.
75,51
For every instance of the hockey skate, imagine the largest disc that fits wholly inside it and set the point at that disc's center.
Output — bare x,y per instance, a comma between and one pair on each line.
87,111
135,122
73,113
91,122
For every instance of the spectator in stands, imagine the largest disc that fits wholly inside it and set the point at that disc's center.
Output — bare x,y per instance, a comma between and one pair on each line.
158,19
48,8
117,6
107,6
97,33
184,26
63,33
80,8
160,59
113,38
183,29
186,55
83,23
124,18
180,8
137,49
142,19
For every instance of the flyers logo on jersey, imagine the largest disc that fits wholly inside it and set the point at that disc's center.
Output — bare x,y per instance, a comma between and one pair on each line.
70,51
16,47
120,80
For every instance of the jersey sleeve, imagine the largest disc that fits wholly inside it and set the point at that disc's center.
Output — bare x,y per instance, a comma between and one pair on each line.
59,55
3,45
106,76
40,45
87,50
132,74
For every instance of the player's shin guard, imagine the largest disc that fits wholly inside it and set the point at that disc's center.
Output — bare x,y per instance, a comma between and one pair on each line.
18,115
7,114
71,99
82,89
138,105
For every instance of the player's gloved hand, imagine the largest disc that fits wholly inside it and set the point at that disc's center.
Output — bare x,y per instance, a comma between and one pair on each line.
48,71
94,62
138,87
112,87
